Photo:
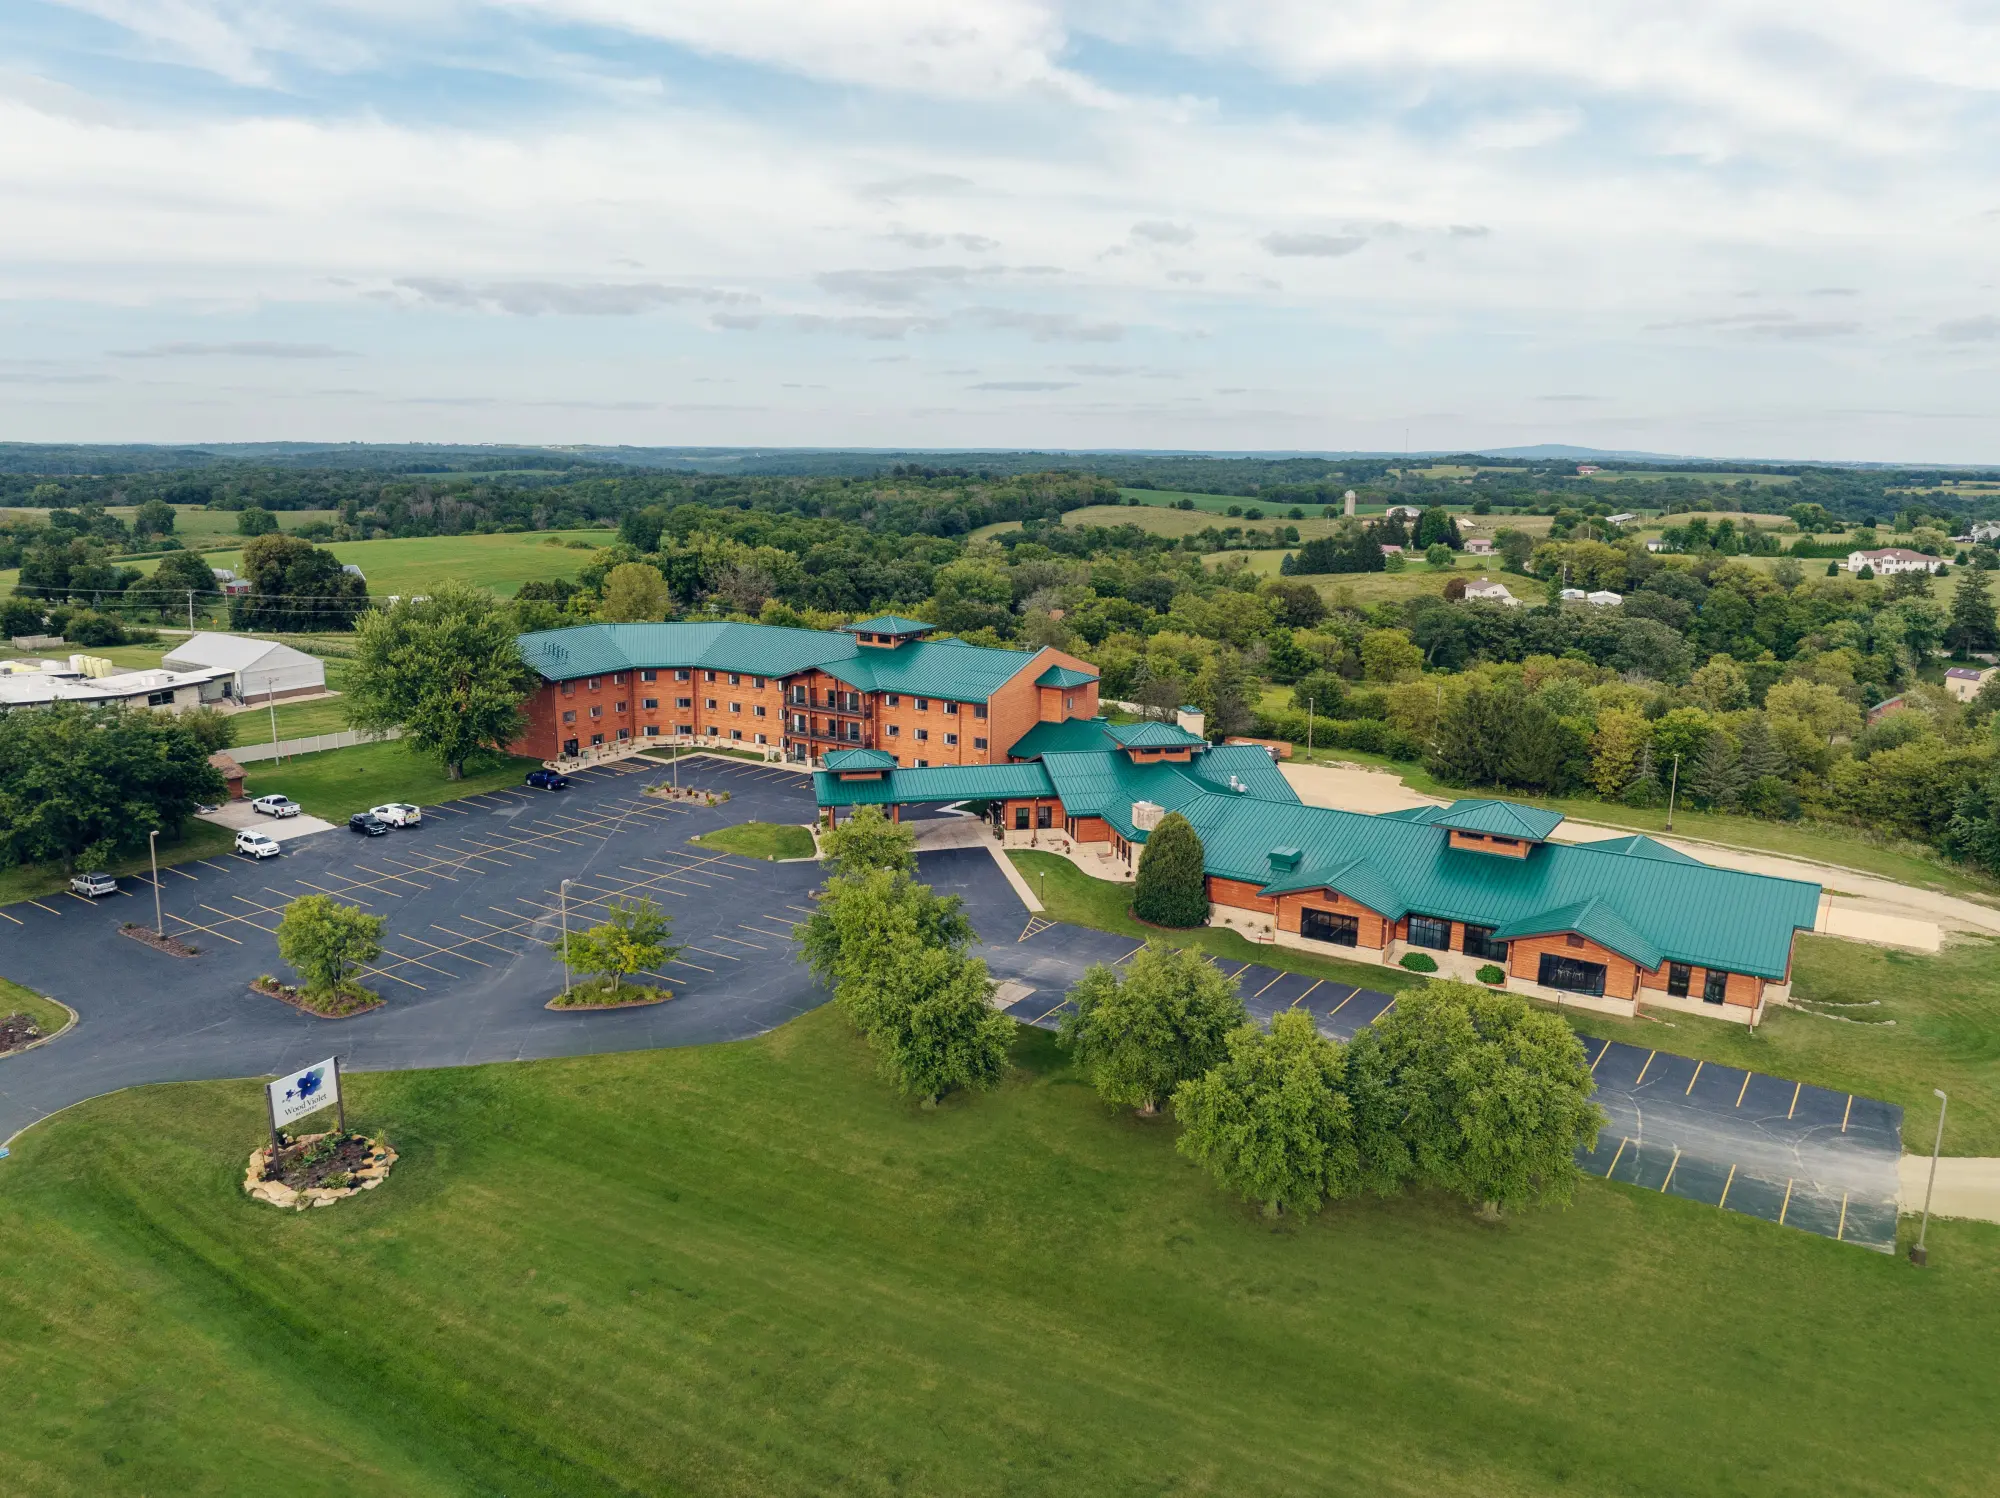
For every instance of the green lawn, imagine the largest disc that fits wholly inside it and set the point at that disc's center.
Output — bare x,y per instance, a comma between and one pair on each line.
759,840
1946,1010
340,782
748,1269
49,1016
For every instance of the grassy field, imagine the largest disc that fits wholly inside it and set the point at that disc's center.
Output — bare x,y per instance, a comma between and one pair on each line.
1945,1011
759,840
49,1016
340,782
195,525
415,565
748,1269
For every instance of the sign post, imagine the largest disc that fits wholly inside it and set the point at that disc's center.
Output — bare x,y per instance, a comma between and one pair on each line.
304,1092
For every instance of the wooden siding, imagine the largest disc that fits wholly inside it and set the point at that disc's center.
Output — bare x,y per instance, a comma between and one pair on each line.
1477,842
1524,960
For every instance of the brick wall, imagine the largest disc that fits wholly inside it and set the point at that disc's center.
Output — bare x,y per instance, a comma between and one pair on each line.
940,721
1743,989
1018,705
1524,960
1375,929
1475,842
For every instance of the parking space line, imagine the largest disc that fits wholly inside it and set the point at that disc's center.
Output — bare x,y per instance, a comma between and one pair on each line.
1796,1087
1602,1051
207,930
725,956
184,873
1279,979
341,893
1616,1157
436,871
802,909
1343,1003
683,962
379,874
1387,1007
1726,1185
222,866
718,936
1840,1231
376,972
447,951
1671,1168
760,931
482,940
1845,1114
1744,1088
14,918
1693,1079
1307,994
1130,955
1788,1202
1647,1067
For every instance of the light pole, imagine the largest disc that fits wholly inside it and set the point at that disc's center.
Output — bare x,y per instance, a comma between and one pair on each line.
1045,889
1312,706
271,702
562,897
1919,1255
1675,791
153,850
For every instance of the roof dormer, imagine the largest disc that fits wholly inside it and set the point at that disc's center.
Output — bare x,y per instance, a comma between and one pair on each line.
887,631
1500,828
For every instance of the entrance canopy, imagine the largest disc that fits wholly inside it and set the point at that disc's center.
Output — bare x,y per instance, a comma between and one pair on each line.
909,787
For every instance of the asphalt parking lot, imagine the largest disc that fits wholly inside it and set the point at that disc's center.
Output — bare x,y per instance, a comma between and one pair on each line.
471,897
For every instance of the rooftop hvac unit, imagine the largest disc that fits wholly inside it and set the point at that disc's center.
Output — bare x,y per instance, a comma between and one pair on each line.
1146,815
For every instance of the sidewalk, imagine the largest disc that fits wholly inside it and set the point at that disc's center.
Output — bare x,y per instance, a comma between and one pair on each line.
1967,1186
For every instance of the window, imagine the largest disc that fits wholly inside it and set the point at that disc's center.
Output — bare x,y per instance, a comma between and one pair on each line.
594,682
709,703
1677,979
854,732
684,702
1714,987
951,708
798,722
1479,942
618,707
1042,812
1571,975
160,699
951,738
685,730
894,730
798,696
923,735
924,764
923,704
1572,940
624,733
979,710
649,676
1020,819
893,700
735,680
618,678
762,740
736,733
652,730
758,682
757,710
649,703
596,739
1429,931
569,689
708,676
570,716
680,676
597,712
979,743
1326,925
1471,837
736,707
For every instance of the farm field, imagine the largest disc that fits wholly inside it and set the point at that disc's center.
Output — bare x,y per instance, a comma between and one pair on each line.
1761,480
416,564
196,525
750,1269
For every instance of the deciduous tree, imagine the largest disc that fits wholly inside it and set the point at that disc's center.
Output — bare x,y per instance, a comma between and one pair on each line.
324,941
1172,886
632,938
635,593
868,840
1164,1022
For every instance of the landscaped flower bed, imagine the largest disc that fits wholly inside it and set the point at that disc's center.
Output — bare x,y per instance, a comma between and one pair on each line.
688,793
18,1030
587,997
351,999
316,1170
173,946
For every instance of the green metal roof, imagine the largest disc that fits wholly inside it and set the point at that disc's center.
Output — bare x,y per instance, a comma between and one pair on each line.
1065,676
1154,735
1592,918
850,760
1497,818
1638,845
888,624
950,670
935,783
1228,766
1069,735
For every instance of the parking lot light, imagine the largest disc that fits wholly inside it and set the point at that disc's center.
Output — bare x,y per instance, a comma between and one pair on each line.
1919,1255
153,850
562,898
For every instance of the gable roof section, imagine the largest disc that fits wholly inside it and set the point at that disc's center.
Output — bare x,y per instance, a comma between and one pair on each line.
1155,735
887,624
1068,736
1065,676
935,783
949,669
225,652
1249,765
1498,818
1591,918
851,760
1638,845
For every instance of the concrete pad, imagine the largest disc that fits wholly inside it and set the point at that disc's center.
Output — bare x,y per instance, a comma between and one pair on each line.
238,817
1966,1186
1354,788
1838,917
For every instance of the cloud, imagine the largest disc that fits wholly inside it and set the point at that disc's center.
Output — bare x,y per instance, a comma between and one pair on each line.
1834,291
246,350
1982,329
1324,246
563,298
917,185
1569,399
1048,327
864,326
1024,385
1778,325
891,288
976,244
1469,231
736,322
1159,231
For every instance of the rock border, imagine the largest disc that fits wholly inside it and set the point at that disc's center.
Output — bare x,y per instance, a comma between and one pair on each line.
284,993
68,1025
278,1194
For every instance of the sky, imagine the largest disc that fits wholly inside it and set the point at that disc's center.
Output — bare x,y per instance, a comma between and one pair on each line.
1736,228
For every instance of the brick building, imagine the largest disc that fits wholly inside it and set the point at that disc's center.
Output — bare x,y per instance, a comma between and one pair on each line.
878,684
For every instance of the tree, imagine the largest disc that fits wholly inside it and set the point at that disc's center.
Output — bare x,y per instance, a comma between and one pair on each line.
938,1030
180,576
1271,1122
1493,1097
1223,689
1438,557
1972,625
1974,832
973,593
324,941
1615,747
295,585
445,670
1166,1022
1172,885
1644,788
255,521
1390,655
1436,527
865,923
154,518
868,840
635,593
632,938
1715,776
88,783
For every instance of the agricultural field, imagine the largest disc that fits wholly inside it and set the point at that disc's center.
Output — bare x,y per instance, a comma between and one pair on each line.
196,526
749,1268
1761,480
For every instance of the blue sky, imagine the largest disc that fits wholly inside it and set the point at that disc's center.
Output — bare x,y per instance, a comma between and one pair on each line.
1760,228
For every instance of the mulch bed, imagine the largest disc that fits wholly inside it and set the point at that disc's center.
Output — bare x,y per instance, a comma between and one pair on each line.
317,1170
641,997
687,793
17,1030
343,1006
173,946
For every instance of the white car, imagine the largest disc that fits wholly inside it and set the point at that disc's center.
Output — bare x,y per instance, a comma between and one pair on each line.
397,813
257,844
275,806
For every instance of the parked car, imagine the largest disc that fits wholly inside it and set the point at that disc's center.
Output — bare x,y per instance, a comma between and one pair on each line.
367,823
275,806
91,885
257,844
548,780
398,813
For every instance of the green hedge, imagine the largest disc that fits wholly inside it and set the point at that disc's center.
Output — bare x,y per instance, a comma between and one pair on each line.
1369,735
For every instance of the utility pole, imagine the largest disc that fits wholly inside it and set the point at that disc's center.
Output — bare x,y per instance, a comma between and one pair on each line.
271,702
153,849
1919,1255
562,896
190,611
1312,707
1675,791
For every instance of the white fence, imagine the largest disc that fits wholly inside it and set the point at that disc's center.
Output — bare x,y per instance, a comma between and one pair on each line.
248,754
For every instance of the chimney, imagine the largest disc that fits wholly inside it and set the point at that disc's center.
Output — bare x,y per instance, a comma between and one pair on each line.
1146,815
1190,718
1350,503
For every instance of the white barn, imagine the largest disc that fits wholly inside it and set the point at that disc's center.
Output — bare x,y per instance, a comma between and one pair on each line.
253,670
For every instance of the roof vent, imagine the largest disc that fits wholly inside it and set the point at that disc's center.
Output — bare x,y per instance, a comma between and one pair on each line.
1146,815
1285,858
1238,786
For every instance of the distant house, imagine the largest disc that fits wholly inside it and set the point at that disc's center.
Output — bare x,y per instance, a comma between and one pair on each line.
247,669
1656,545
1585,469
1625,519
1574,595
1986,530
1604,598
230,585
1391,549
1964,682
1478,546
45,683
353,571
1491,592
1886,561
1882,710
1403,512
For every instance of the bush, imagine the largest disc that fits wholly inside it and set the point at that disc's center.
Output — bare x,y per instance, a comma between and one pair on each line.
1492,976
90,629
1171,889
1419,962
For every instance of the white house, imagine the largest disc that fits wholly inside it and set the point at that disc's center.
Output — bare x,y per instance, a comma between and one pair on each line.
1964,682
248,669
1491,592
1986,530
1574,595
1403,512
1888,560
1625,519
44,683
1478,546
1604,598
